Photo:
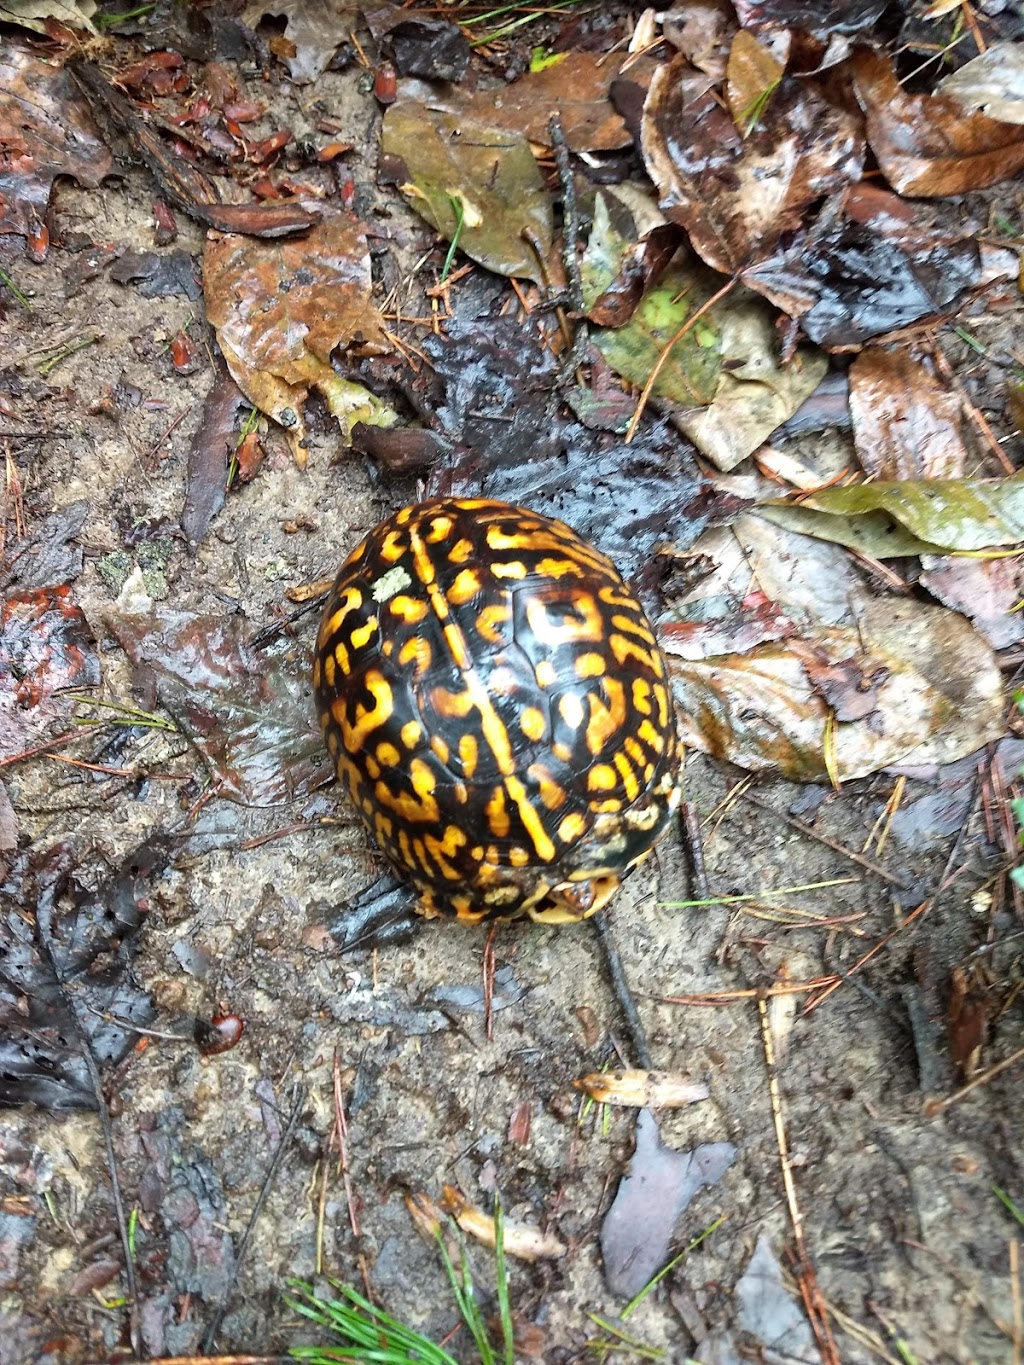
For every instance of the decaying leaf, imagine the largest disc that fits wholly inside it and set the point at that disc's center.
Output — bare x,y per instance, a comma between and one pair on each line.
934,693
38,14
987,591
737,191
472,179
992,82
723,381
246,711
522,1241
637,1231
46,130
283,308
769,1312
906,423
313,32
911,516
643,1089
927,144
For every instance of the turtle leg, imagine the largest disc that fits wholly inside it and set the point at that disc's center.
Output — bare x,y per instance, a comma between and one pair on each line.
383,914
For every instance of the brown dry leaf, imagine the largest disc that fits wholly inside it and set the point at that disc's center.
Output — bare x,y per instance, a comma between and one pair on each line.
735,195
969,1013
643,1089
38,15
46,130
470,178
524,1242
576,90
282,308
906,423
992,82
926,144
934,688
752,75
988,591
314,29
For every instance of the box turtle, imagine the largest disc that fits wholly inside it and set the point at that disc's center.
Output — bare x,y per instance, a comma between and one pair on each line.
494,698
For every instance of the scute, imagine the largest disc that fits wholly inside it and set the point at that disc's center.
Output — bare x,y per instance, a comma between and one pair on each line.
501,658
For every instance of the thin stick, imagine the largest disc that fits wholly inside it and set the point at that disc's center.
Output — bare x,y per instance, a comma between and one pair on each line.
817,1314
695,849
342,1126
659,364
937,1106
914,914
623,994
1018,1319
298,1100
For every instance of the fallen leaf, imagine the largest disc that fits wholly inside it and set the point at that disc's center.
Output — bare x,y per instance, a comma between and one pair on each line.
208,458
968,1015
314,30
470,179
927,144
737,195
637,1232
246,710
768,1311
987,591
281,309
921,514
906,423
643,1089
38,15
521,1240
46,130
992,82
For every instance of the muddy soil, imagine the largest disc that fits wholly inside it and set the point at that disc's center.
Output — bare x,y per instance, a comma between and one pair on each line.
899,1216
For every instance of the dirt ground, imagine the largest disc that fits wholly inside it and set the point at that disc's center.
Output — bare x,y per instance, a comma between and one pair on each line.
899,1216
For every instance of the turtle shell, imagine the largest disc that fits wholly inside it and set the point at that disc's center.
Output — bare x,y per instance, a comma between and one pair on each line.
493,695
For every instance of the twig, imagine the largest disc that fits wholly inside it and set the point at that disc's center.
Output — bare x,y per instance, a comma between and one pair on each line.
753,993
937,1106
866,957
570,236
45,926
341,1124
659,364
623,994
298,1100
812,833
1018,1319
487,968
695,849
817,1313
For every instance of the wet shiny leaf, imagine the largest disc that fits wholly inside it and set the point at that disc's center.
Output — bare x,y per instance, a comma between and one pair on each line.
906,422
469,177
992,82
927,144
313,32
282,308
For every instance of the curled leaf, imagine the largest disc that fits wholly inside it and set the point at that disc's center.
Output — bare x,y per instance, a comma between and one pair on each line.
643,1089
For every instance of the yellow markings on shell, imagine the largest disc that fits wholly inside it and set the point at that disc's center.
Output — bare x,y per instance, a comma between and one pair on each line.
384,827
602,778
350,599
610,806
552,795
419,850
632,626
466,586
518,857
327,674
623,649
629,777
393,547
452,705
545,673
618,595
469,753
572,827
566,631
650,736
513,568
440,748
570,708
440,528
387,754
477,695
405,848
461,551
589,665
606,718
341,658
360,636
372,766
461,793
418,807
410,733
446,848
642,696
558,568
496,811
368,718
411,610
532,722
417,652
490,620
661,701
563,752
